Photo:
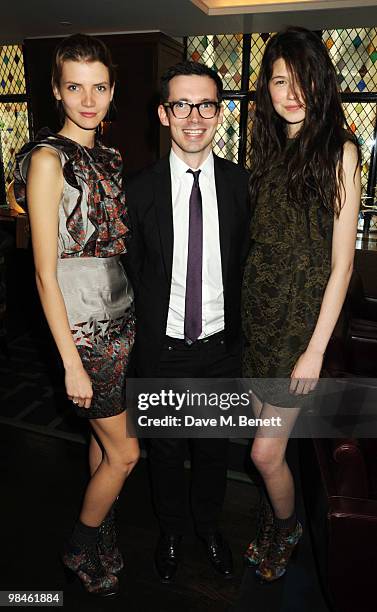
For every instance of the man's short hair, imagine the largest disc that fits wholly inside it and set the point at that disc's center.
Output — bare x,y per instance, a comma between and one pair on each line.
188,68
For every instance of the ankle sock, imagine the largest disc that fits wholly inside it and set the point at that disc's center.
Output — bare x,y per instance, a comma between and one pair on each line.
287,523
84,535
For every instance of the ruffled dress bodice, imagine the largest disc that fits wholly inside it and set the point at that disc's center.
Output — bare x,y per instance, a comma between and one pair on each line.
93,219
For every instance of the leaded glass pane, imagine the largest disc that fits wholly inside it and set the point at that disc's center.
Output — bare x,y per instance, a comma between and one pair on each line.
372,223
12,75
249,129
228,133
14,132
258,45
222,52
361,118
354,55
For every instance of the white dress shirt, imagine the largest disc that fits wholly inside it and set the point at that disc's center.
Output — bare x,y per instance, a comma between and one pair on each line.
212,283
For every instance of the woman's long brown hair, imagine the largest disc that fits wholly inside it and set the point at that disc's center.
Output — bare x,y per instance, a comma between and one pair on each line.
314,161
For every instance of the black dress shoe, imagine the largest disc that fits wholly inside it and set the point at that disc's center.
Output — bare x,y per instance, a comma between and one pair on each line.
219,553
167,556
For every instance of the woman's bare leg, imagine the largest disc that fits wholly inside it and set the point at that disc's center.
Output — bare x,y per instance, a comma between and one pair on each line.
95,454
268,454
120,454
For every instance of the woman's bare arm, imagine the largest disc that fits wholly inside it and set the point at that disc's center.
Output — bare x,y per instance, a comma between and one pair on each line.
309,364
44,189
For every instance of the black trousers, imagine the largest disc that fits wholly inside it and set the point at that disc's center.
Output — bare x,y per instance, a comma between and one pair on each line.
209,456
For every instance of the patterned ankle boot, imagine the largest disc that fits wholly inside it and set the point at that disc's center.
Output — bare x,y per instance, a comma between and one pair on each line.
274,564
84,562
265,530
110,555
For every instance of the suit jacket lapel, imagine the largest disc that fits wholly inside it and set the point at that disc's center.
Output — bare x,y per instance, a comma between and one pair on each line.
164,212
224,205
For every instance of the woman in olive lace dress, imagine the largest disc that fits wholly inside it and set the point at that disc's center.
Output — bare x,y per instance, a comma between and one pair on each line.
79,229
305,193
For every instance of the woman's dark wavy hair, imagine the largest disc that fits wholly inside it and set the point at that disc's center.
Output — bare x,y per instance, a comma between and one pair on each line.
314,162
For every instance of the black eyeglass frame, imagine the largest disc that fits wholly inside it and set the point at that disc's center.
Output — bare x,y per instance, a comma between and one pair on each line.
192,105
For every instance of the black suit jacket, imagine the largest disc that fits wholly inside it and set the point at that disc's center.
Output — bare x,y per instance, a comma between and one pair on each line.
150,253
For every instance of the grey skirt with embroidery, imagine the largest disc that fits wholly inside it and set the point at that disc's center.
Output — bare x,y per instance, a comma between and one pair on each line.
99,303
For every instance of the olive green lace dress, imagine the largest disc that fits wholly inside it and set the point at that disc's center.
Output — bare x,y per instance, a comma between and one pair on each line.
285,277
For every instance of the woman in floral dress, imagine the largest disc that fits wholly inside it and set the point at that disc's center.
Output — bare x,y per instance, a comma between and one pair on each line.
73,188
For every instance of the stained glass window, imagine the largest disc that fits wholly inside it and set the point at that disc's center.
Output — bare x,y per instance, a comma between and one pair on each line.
14,132
354,54
228,133
222,52
258,45
12,75
361,117
250,118
14,122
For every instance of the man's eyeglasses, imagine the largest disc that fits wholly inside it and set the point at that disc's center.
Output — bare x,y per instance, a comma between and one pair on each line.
182,110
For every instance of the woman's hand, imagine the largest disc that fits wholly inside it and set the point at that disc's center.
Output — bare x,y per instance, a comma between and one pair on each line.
78,386
306,372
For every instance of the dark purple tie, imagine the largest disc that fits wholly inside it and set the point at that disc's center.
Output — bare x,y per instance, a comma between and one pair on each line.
193,302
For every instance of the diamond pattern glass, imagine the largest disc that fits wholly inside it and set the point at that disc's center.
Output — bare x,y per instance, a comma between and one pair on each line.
12,76
354,55
353,52
222,52
361,118
373,223
249,129
228,133
14,132
258,45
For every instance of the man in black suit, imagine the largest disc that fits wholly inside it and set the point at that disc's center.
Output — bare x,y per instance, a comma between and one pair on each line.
189,218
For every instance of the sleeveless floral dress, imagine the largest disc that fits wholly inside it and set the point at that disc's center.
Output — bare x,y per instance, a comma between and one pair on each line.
285,278
93,232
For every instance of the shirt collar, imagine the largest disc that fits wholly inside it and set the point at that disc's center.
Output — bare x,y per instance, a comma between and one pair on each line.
179,168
